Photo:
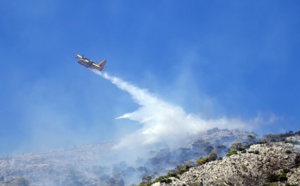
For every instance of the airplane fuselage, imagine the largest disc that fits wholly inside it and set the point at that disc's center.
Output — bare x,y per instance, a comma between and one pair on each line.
85,63
90,64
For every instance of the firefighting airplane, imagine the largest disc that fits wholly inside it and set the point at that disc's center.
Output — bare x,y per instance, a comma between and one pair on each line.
90,64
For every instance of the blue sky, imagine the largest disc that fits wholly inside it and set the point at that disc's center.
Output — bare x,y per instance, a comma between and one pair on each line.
233,59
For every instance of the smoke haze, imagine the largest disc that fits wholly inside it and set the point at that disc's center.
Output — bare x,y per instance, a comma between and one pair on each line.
167,136
163,123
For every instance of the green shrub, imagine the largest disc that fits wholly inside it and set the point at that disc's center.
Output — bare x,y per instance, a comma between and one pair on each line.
237,146
231,152
254,152
263,141
180,169
288,152
166,180
212,156
196,183
190,163
145,184
171,174
244,167
272,178
288,184
156,180
297,161
277,177
268,184
202,161
282,177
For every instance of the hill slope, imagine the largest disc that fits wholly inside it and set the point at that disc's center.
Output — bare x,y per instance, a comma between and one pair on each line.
98,164
271,163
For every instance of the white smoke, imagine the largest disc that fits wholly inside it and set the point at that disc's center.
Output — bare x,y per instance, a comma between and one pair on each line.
163,122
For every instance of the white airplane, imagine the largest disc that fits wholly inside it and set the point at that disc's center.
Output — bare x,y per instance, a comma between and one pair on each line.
90,64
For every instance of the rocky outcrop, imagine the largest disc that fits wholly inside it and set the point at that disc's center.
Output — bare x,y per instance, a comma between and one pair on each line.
275,163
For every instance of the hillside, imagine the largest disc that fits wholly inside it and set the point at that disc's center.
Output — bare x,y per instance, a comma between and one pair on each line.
274,161
98,164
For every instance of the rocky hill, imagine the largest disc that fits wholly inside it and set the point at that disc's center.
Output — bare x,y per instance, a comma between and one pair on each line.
274,161
98,164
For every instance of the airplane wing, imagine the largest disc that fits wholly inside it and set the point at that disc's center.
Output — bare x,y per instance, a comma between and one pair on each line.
82,58
78,56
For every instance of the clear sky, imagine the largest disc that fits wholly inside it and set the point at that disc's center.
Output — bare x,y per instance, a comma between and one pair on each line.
214,59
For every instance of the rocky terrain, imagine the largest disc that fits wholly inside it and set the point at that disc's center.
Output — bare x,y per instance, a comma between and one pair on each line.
98,164
56,167
274,161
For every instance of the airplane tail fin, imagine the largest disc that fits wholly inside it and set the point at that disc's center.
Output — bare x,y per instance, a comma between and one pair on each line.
102,64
